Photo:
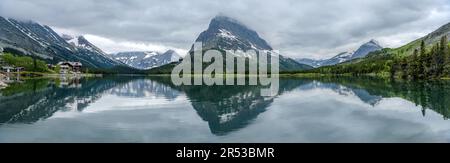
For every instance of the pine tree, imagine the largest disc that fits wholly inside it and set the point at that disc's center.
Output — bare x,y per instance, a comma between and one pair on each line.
423,61
413,68
422,48
446,55
395,67
427,65
403,68
438,61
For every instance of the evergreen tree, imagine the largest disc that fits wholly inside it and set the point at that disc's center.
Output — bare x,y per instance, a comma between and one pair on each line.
414,65
403,68
422,48
444,50
423,61
34,63
438,61
395,68
426,64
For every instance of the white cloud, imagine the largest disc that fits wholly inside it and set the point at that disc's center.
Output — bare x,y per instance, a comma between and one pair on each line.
297,28
111,46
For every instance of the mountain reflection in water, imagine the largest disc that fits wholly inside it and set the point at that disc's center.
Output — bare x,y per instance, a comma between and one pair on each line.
226,109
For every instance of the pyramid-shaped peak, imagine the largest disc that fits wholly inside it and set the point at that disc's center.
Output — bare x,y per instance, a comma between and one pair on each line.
373,41
221,21
224,18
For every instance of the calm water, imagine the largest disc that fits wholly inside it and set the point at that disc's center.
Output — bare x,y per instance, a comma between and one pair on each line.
152,109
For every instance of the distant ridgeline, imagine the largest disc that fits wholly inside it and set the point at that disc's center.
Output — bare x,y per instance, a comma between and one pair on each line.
425,58
40,41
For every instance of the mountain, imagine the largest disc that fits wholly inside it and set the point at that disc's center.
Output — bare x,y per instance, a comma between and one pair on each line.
340,58
31,38
362,52
89,50
367,48
228,34
429,40
436,35
310,62
400,62
146,60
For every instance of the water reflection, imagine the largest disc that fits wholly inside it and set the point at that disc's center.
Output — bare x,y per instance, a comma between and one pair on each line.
226,109
142,87
39,99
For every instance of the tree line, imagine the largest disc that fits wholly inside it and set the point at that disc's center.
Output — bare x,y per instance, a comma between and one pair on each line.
378,62
431,63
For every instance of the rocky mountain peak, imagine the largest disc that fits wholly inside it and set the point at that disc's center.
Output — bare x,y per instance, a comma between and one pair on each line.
147,59
367,48
374,42
229,34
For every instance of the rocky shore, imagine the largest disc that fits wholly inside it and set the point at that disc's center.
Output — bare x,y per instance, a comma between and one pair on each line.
2,84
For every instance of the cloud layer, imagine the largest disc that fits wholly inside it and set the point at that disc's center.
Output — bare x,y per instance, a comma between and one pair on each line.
298,28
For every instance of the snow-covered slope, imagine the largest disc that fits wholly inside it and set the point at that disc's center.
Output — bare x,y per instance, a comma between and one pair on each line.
229,34
146,60
225,33
31,38
89,50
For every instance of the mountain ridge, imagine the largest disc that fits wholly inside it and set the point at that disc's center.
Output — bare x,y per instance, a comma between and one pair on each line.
429,61
342,57
145,60
229,34
33,39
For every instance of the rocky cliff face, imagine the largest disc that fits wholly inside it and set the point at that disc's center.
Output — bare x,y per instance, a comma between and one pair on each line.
228,34
34,39
147,60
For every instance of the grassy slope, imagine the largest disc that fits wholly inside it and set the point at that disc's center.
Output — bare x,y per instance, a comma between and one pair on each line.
376,63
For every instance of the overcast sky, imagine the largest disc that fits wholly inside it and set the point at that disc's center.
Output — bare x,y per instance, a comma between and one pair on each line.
298,28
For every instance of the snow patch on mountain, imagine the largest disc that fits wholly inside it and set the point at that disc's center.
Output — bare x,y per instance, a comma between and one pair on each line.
227,34
146,60
362,52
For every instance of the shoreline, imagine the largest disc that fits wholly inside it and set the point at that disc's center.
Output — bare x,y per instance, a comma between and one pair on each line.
2,84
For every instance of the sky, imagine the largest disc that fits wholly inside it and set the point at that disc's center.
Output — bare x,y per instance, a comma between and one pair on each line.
297,28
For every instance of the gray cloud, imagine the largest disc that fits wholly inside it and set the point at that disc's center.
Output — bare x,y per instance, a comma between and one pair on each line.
298,28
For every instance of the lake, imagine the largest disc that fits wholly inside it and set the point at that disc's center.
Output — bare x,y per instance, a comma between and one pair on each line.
152,109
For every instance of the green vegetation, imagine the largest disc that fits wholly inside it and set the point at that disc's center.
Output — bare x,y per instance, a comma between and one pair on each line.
377,63
165,69
412,61
430,95
30,64
31,85
57,68
424,64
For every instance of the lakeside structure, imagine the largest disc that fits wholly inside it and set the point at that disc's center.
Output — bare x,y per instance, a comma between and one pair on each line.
2,84
70,67
6,68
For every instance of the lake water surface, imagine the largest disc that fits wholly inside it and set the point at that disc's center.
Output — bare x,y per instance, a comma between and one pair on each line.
152,109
